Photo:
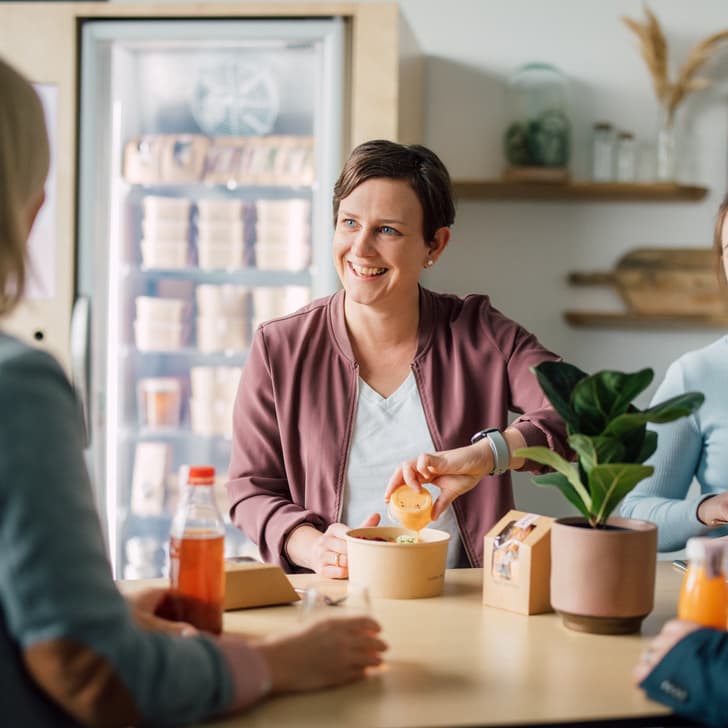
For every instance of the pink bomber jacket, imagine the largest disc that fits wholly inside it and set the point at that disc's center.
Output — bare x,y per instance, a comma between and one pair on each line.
296,404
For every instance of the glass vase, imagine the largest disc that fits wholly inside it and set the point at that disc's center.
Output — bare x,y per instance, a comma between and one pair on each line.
539,130
666,148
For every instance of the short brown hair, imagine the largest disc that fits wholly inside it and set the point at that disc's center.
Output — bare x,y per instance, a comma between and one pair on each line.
24,158
718,241
418,165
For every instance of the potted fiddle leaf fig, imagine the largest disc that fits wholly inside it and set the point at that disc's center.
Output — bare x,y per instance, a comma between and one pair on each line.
602,567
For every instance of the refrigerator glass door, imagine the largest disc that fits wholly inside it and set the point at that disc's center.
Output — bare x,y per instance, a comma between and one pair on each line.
209,150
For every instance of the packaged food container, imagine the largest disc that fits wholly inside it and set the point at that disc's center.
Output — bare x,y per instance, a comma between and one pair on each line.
212,256
155,310
269,303
151,336
397,570
282,256
160,400
165,230
225,231
172,254
219,211
174,209
222,334
222,300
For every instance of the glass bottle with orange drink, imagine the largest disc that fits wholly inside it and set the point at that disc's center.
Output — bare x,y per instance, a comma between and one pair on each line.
704,593
196,554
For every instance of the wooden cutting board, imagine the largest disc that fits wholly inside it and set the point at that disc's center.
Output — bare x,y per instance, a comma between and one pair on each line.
665,281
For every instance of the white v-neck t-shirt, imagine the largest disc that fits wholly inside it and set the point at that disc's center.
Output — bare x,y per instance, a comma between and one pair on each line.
386,432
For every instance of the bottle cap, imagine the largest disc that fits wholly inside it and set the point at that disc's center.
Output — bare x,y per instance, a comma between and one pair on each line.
701,547
201,475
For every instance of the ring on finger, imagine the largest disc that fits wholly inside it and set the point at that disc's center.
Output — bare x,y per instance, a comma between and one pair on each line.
337,559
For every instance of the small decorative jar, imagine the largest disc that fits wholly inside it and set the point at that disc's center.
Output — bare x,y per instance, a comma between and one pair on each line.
626,157
539,132
602,152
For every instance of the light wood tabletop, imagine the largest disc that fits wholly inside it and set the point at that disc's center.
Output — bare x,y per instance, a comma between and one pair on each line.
454,662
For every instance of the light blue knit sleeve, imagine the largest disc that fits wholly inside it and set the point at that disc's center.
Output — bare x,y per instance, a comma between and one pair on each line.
55,580
661,498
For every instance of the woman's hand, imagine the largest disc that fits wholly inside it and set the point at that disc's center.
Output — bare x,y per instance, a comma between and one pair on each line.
713,511
671,633
331,652
454,472
325,553
149,607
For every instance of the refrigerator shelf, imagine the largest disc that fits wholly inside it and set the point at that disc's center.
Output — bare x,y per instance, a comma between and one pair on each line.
241,276
146,434
202,189
154,523
191,354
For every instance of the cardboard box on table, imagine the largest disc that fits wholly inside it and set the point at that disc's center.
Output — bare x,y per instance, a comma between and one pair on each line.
517,563
251,583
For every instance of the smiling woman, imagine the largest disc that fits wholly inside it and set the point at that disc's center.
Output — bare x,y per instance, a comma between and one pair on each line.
334,396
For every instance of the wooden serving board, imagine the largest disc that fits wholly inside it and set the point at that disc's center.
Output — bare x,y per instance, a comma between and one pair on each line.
665,282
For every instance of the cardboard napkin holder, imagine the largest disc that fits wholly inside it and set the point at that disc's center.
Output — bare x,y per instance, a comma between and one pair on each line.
251,583
517,563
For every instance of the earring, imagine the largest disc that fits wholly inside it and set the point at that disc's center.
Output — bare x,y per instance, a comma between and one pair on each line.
430,262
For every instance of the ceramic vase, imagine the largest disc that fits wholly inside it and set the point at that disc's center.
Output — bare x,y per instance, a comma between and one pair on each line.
603,579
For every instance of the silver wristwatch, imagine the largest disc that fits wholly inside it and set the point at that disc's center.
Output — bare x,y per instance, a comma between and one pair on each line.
499,446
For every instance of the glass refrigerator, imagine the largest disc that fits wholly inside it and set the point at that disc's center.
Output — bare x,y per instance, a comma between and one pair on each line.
208,153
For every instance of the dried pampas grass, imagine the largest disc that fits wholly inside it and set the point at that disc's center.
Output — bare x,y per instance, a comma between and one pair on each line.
653,49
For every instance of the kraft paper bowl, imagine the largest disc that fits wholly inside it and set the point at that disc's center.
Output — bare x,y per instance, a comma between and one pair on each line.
397,570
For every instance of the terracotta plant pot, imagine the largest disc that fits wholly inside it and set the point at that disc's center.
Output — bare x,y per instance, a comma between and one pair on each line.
603,579
397,570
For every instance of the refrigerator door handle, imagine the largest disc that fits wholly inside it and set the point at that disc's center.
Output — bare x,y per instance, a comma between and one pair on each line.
80,358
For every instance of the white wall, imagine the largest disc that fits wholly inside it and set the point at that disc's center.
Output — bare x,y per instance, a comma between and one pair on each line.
520,252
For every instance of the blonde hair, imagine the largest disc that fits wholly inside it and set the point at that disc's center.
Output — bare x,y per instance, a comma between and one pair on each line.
24,159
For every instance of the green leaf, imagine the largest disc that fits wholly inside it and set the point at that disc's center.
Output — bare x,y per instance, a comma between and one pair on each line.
557,380
608,484
667,411
601,397
562,483
596,450
649,445
675,407
548,457
627,387
584,448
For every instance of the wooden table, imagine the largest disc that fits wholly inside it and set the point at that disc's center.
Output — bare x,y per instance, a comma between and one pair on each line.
454,662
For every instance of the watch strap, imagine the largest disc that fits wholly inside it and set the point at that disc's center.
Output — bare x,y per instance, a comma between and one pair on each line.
498,446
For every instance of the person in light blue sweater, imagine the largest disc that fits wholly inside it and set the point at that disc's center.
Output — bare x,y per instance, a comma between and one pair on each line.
73,651
691,447
694,446
686,666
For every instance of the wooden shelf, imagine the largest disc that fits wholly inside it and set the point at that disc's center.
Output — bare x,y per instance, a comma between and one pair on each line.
610,320
592,191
